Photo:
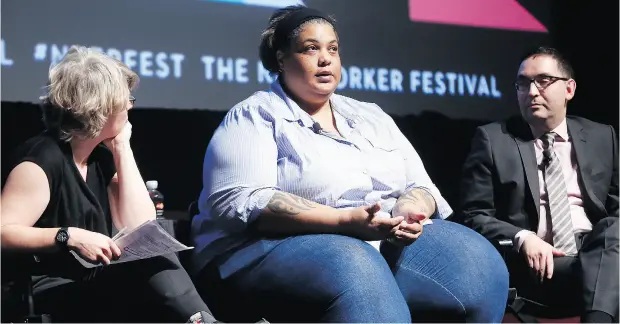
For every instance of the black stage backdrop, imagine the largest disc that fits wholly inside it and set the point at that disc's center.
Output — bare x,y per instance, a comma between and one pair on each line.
169,143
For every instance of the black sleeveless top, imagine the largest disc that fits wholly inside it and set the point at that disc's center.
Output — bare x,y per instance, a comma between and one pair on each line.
73,201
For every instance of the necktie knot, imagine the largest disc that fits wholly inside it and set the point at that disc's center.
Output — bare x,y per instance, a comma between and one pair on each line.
548,139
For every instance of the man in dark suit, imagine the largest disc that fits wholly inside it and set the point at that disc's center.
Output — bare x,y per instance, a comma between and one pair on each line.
549,183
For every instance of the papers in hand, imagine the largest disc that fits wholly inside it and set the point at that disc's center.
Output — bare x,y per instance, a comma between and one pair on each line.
145,241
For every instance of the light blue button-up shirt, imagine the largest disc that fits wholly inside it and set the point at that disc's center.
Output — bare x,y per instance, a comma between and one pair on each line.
267,143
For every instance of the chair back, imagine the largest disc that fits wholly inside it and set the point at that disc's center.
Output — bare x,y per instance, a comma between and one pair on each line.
193,209
17,296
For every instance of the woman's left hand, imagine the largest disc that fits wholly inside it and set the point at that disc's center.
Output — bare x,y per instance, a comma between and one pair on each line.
407,233
121,139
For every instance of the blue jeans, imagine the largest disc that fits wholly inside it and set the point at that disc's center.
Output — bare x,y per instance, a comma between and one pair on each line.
450,273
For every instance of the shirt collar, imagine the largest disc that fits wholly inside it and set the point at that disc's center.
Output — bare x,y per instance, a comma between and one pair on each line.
295,113
561,130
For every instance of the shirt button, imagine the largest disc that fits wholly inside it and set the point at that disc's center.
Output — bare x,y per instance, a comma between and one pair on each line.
365,171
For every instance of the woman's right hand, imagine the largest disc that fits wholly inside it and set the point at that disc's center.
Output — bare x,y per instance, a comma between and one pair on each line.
92,246
361,222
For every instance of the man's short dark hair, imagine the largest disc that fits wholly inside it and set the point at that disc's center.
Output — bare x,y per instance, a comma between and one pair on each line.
563,63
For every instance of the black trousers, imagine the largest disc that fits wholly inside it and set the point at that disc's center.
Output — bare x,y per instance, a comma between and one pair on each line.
588,282
151,290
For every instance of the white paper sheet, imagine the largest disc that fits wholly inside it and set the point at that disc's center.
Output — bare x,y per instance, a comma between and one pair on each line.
145,241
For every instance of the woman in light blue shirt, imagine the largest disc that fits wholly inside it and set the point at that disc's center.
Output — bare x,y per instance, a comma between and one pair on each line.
314,203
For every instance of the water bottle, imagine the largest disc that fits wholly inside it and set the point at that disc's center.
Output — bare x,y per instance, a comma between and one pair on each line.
157,197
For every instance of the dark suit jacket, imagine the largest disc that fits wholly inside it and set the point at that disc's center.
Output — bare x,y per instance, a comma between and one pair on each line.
499,188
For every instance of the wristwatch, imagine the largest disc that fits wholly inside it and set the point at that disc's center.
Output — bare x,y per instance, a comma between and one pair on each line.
62,237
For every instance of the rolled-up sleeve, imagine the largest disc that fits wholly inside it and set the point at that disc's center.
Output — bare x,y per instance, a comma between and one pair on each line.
416,173
240,166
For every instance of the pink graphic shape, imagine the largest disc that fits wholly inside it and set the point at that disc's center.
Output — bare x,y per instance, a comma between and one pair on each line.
497,14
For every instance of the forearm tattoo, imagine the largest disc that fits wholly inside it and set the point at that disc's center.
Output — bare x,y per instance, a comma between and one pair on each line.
419,197
284,203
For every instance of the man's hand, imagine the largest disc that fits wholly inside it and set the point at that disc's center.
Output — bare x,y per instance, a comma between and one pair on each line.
539,256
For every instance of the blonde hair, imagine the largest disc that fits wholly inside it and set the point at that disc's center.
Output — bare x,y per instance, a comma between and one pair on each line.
84,89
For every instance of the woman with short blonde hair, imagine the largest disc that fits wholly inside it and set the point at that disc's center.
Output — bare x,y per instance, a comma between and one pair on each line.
90,86
69,187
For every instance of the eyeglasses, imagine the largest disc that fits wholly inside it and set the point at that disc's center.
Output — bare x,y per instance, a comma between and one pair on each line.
540,81
132,99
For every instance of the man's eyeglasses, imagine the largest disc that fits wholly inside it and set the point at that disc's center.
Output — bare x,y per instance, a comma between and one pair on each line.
540,81
132,99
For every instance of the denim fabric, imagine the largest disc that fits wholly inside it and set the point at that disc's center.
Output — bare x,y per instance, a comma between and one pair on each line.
450,273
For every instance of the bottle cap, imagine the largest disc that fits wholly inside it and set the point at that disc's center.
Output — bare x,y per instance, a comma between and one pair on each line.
152,184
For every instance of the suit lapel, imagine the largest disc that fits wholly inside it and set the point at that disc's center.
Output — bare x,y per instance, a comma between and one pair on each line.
579,140
525,143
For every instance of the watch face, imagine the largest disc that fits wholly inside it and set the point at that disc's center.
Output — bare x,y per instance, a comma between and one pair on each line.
62,236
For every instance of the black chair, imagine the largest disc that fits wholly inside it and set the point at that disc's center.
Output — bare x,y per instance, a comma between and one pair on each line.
182,229
17,297
192,209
